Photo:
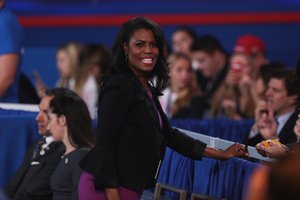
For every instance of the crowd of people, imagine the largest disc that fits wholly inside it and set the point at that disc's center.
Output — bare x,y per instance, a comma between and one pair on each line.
133,91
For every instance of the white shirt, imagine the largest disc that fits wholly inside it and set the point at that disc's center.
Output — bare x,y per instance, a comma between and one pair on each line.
89,94
167,100
45,147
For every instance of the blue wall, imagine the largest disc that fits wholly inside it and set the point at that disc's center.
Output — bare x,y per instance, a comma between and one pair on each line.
282,39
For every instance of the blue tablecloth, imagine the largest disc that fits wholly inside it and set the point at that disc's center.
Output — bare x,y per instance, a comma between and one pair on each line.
226,129
18,130
224,179
227,179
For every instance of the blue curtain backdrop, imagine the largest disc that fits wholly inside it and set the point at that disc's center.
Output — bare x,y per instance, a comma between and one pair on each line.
41,42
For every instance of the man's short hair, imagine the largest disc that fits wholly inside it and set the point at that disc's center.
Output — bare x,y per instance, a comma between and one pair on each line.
208,44
55,91
289,78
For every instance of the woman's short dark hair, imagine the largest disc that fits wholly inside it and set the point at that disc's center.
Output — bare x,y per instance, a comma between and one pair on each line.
78,118
119,63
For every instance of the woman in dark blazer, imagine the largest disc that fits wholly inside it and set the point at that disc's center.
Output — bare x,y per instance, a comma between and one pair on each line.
133,131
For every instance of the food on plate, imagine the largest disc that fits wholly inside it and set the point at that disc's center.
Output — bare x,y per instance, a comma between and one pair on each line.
267,143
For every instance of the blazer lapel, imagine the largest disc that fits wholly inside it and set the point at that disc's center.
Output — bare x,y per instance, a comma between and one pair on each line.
287,132
164,117
142,96
24,167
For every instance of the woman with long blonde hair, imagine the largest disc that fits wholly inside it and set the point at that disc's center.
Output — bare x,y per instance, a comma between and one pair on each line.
182,98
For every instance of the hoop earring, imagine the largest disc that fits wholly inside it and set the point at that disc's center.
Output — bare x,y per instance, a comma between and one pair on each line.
126,57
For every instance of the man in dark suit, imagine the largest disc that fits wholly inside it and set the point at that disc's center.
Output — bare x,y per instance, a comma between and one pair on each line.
276,117
32,180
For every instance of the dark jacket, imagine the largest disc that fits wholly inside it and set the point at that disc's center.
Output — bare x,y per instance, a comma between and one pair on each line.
32,181
196,109
286,135
130,141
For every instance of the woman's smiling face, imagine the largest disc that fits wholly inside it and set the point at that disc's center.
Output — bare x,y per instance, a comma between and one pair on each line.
142,52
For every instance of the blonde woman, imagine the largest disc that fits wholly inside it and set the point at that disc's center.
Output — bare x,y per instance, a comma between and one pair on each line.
67,66
182,98
67,63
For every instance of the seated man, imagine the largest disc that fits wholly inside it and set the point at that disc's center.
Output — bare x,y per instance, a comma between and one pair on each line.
276,117
32,180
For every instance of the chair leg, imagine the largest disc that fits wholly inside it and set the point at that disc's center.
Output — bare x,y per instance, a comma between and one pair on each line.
159,187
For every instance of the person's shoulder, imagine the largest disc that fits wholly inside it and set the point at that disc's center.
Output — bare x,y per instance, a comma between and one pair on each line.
59,146
55,151
79,153
8,18
116,77
293,118
121,80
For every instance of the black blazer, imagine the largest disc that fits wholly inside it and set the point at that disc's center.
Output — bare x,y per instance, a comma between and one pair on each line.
130,141
33,181
286,135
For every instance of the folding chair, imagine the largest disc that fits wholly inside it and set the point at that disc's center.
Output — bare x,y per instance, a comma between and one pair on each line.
195,196
159,188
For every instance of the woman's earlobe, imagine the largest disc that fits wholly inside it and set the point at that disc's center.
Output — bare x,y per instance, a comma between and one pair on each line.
125,47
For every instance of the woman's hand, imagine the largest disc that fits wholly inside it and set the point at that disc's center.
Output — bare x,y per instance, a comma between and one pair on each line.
245,84
230,109
231,79
235,150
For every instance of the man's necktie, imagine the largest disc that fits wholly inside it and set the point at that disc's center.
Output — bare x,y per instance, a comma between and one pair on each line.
38,148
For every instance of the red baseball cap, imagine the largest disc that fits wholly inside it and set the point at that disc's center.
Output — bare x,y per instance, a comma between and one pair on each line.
249,44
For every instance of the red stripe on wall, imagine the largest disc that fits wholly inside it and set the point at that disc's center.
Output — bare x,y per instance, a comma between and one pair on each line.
162,19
